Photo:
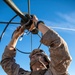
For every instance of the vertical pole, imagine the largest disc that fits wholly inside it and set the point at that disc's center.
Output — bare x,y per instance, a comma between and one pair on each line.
29,7
29,14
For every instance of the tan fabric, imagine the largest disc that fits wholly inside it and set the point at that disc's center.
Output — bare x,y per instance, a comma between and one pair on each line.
41,52
59,55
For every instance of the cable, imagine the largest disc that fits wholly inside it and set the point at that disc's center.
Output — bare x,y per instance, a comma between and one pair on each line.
7,26
31,41
31,45
26,23
10,22
22,51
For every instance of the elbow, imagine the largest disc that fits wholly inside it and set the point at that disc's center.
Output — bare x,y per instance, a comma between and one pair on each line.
70,59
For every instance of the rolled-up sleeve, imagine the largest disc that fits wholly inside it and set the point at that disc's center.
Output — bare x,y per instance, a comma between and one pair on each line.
59,53
8,62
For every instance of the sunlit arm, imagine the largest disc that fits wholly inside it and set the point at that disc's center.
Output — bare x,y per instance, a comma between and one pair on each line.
59,53
17,33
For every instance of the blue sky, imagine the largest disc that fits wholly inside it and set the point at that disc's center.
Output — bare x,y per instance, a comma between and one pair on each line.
57,14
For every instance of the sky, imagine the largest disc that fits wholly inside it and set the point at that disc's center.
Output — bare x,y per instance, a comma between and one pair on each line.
57,14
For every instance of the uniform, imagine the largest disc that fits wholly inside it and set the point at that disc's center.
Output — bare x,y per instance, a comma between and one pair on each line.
59,55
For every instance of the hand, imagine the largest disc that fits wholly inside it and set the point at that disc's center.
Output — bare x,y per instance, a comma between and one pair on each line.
35,20
30,23
18,32
27,22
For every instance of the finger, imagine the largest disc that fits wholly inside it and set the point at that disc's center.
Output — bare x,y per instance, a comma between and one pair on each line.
21,29
18,28
35,19
32,27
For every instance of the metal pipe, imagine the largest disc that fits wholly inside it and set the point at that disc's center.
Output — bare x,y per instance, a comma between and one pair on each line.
10,23
11,4
29,7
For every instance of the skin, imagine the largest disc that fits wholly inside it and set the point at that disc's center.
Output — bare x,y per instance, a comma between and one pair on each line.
38,65
19,31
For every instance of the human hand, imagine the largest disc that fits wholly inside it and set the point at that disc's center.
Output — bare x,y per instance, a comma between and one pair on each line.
30,23
33,25
27,22
18,32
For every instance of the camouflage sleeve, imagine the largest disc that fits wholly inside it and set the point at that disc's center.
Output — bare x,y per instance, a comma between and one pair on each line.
59,54
8,62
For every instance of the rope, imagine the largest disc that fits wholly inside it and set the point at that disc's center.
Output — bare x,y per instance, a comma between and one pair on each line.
7,26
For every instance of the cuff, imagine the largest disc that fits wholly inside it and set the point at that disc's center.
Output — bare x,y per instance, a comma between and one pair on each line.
39,23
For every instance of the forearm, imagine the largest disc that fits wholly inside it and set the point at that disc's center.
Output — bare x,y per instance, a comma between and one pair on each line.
43,28
8,62
12,43
59,54
17,33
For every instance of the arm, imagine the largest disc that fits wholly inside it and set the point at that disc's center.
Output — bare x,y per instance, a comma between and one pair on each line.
59,54
8,61
17,33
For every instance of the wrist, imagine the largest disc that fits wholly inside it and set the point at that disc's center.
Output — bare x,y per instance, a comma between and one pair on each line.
12,43
39,23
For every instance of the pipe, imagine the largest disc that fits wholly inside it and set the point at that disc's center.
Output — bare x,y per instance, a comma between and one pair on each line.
11,4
